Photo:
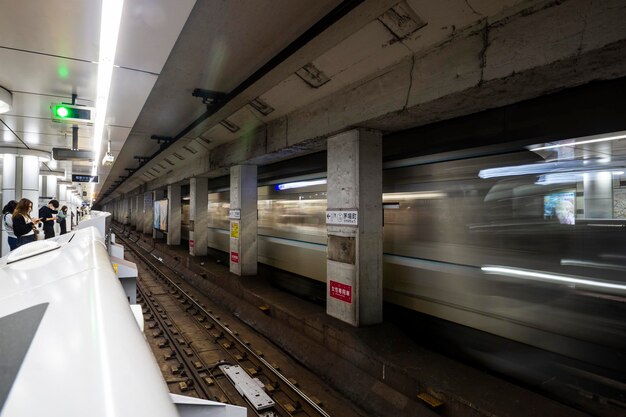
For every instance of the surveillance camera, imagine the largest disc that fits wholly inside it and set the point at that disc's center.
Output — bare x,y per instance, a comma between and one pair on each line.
108,159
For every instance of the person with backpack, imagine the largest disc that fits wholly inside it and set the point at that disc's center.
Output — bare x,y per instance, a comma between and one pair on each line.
7,222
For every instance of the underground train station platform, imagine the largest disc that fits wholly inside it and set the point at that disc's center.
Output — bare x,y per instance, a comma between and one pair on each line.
380,367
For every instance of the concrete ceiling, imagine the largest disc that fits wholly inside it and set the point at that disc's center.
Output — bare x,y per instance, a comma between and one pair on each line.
223,44
383,64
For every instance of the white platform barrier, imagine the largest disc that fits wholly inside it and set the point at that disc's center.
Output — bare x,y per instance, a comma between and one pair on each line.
138,313
116,250
126,271
196,407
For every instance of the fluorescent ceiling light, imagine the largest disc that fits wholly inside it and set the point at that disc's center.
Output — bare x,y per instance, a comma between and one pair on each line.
109,31
300,184
542,276
593,139
6,100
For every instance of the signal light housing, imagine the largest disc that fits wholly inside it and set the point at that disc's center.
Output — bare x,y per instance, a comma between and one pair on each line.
71,113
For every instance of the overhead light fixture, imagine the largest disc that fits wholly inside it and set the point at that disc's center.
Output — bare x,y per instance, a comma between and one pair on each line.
592,139
109,31
6,100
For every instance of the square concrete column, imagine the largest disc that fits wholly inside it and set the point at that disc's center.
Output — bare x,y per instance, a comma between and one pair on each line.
148,213
174,213
127,210
133,211
140,215
354,227
198,216
156,196
598,199
20,179
243,219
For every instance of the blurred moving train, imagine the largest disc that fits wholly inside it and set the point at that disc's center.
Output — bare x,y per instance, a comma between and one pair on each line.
528,245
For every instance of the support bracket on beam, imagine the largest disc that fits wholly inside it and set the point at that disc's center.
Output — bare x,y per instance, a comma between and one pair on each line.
142,159
209,97
164,139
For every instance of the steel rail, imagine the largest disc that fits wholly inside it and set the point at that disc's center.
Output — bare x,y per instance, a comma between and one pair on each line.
234,337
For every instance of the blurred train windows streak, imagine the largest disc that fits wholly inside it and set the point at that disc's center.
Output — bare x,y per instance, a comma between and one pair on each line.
559,210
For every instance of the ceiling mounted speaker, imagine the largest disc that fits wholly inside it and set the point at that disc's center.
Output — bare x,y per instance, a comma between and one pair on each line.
6,100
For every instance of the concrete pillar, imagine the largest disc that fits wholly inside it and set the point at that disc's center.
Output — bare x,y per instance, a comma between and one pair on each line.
354,227
243,219
8,192
30,178
198,216
51,181
131,210
61,194
174,213
598,194
134,211
140,215
47,189
156,196
148,212
70,205
127,210
8,179
20,179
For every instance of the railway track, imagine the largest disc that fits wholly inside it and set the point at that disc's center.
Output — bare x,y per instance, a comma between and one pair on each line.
205,357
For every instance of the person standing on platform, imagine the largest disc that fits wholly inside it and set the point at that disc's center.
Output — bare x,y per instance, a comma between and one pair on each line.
61,219
24,226
47,215
7,222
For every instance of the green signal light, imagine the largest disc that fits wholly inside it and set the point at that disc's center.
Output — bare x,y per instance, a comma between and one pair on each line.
62,111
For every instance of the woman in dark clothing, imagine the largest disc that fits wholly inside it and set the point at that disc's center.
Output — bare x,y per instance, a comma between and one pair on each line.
23,224
61,219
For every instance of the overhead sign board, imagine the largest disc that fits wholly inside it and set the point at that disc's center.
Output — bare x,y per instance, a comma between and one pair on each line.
84,178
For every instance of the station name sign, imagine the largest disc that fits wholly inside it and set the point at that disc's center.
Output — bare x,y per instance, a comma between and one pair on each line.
341,217
84,178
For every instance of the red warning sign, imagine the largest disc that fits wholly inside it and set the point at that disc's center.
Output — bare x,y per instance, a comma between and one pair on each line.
341,291
234,257
192,243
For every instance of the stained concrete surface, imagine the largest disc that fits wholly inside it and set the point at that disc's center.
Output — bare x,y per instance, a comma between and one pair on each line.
379,366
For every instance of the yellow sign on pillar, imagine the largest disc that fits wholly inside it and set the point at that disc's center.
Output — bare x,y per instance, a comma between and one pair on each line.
234,230
115,268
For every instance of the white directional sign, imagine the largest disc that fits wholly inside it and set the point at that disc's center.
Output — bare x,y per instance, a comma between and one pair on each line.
234,214
347,218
